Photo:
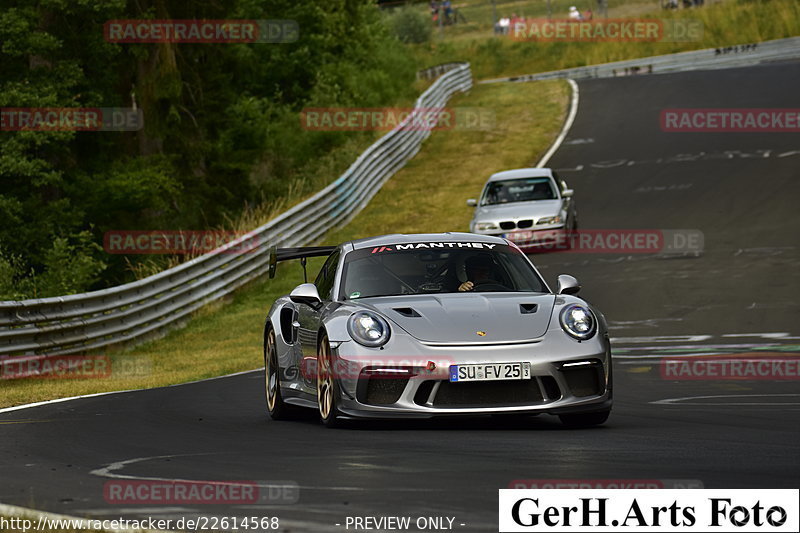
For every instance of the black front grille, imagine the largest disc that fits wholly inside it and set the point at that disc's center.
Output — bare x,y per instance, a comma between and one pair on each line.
423,392
584,381
527,223
508,224
380,389
488,393
551,388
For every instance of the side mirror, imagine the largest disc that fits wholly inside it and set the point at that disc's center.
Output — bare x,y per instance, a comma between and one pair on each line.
567,193
567,285
305,293
472,202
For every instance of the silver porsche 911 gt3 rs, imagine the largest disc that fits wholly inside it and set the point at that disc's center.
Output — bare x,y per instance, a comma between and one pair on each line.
434,325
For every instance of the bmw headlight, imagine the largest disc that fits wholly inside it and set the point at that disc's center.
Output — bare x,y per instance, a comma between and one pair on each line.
485,226
549,220
578,321
368,329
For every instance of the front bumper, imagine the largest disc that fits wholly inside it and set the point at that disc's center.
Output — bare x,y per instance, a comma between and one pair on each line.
567,376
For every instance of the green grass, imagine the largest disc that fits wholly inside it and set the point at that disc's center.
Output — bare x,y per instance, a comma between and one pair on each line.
479,14
225,337
430,193
725,23
222,338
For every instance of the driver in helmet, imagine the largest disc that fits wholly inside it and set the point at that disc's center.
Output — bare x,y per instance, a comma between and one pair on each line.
479,269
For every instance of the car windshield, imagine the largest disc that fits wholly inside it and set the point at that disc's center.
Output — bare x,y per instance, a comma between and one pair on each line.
518,190
437,267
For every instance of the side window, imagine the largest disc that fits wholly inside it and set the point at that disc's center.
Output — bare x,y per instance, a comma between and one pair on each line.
326,276
484,198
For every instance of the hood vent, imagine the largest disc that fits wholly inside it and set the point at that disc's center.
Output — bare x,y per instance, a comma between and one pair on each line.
528,309
407,312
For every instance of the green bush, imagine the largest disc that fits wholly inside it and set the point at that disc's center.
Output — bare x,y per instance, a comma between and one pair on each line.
221,125
70,266
410,25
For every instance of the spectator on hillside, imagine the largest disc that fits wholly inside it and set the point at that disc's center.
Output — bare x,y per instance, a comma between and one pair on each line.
574,14
448,12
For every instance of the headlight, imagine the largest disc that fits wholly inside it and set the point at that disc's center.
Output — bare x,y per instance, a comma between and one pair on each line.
484,226
549,220
368,329
578,321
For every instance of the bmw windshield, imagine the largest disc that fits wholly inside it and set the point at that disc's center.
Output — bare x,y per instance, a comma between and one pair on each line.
519,190
438,267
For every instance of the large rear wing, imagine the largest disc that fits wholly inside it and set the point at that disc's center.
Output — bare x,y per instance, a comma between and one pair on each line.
285,254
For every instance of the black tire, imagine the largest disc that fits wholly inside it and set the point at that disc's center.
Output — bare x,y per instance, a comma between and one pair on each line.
582,420
571,233
277,408
327,386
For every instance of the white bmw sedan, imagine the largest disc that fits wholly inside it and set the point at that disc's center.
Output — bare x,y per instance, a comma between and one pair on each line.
531,207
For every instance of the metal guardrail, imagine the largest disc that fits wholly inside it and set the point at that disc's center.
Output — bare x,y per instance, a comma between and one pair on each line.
135,311
436,70
707,59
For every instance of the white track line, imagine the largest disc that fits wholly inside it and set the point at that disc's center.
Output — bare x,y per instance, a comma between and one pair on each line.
684,400
573,110
23,512
110,471
59,400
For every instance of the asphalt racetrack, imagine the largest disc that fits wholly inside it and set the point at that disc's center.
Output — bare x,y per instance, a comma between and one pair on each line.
738,296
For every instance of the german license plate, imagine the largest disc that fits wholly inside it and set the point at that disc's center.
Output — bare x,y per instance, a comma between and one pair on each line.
520,236
490,372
